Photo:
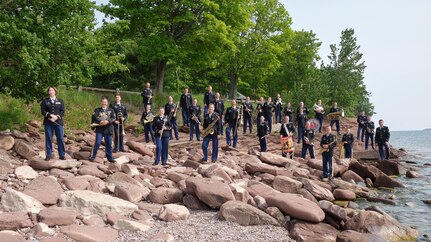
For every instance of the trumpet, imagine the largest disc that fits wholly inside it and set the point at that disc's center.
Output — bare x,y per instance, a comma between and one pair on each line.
196,119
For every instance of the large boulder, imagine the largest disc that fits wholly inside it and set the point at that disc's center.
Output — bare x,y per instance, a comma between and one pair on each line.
320,193
131,193
173,212
91,170
164,195
253,167
333,210
212,193
76,183
11,236
88,202
345,195
320,232
45,189
385,181
390,167
5,165
296,207
25,172
318,165
262,190
24,149
286,184
191,201
351,175
381,225
57,216
15,220
140,148
15,201
245,214
364,170
120,178
278,160
6,142
41,164
353,236
89,233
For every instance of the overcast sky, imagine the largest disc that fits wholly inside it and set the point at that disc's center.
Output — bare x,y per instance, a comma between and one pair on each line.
395,39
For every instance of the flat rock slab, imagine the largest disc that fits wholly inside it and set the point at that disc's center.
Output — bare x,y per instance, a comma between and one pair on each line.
89,234
41,164
15,220
245,214
15,201
58,216
11,236
45,189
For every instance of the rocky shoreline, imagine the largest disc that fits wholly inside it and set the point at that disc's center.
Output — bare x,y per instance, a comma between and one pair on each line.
245,196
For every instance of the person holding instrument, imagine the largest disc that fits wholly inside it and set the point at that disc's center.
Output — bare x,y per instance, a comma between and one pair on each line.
232,118
103,118
347,140
247,115
52,109
278,108
382,140
161,126
286,138
335,112
171,111
211,122
185,103
147,119
308,141
287,111
319,111
194,114
209,97
268,109
219,108
121,114
369,133
259,108
262,133
327,143
362,120
147,95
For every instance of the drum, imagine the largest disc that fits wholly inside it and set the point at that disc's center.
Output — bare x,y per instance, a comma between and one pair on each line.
287,145
314,124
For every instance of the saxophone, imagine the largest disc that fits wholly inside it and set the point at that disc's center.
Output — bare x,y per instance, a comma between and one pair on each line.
210,130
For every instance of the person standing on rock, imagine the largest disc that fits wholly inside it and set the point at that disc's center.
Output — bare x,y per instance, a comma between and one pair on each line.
278,108
308,141
52,109
104,117
161,126
147,95
336,120
209,97
268,109
304,107
247,115
348,140
219,108
369,133
171,109
185,103
195,115
231,117
121,114
209,118
147,119
259,108
301,119
288,111
319,111
286,137
362,120
382,140
262,133
327,143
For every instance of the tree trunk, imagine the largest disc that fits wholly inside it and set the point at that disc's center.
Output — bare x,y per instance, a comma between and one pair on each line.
233,86
160,75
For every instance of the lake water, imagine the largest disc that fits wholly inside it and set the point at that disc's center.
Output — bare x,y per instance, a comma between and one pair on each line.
410,209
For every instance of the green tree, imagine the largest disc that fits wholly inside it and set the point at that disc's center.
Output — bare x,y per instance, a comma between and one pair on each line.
47,43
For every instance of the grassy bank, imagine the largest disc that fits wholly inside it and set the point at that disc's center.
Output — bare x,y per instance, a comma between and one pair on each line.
14,113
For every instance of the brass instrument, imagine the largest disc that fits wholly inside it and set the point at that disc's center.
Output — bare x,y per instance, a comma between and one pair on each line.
335,115
210,130
94,125
341,153
308,140
196,119
120,116
102,116
238,119
175,110
323,150
319,109
149,118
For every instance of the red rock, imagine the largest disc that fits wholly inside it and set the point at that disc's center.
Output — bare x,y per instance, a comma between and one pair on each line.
351,175
353,236
24,149
88,233
173,212
318,192
320,232
15,220
76,183
252,168
45,189
60,173
176,177
54,239
91,170
191,201
365,170
413,174
333,210
6,142
81,155
385,181
58,216
212,193
390,167
163,195
140,148
286,184
113,217
245,214
142,216
131,193
261,190
120,178
11,236
346,195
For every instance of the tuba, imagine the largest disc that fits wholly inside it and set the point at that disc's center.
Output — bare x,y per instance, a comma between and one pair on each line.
210,129
149,118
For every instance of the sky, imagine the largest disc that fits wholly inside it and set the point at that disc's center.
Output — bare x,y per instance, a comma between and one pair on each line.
394,38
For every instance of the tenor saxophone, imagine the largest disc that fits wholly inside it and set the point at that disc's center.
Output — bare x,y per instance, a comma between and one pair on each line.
210,129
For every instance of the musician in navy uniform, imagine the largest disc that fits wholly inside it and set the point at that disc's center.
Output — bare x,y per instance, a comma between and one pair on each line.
319,111
208,119
301,119
308,141
171,111
304,107
219,108
147,95
278,109
347,141
362,120
382,140
232,118
328,143
195,115
209,97
185,103
262,133
52,109
161,126
268,109
287,130
369,133
259,108
148,126
105,117
335,109
288,111
121,114
247,115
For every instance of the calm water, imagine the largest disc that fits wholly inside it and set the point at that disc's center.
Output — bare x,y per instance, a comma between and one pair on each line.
410,209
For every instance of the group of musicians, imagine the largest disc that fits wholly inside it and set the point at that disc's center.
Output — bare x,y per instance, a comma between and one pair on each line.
110,120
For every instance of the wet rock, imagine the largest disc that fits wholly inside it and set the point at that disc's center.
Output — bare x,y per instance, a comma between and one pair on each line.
342,194
245,214
413,174
365,170
386,181
333,210
390,167
351,175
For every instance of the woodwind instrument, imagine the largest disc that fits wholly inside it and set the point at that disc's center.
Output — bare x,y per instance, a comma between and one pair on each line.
323,150
210,129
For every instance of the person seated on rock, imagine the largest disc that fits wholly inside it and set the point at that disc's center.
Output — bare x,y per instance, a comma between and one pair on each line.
147,120
52,109
286,136
369,133
327,143
308,141
209,118
347,143
162,127
232,118
262,133
103,118
382,140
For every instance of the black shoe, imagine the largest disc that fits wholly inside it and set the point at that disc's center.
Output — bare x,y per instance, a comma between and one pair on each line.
62,158
122,151
165,165
115,151
112,161
48,158
214,161
155,164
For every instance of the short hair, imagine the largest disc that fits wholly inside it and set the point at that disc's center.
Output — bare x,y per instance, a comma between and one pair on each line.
104,98
55,89
160,108
117,94
380,120
211,104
